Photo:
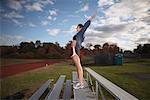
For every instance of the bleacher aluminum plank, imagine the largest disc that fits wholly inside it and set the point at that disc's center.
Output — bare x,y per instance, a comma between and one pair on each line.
54,95
82,94
40,91
67,91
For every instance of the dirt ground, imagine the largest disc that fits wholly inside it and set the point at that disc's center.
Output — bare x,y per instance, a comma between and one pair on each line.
19,68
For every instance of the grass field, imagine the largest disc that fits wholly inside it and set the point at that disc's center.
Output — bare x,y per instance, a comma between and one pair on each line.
28,82
133,76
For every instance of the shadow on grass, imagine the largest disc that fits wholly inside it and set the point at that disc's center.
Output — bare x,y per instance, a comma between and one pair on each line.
16,96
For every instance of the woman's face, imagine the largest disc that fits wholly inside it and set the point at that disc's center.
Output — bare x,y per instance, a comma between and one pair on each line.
78,29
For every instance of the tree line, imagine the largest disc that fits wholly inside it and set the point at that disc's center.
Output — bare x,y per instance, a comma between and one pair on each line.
55,51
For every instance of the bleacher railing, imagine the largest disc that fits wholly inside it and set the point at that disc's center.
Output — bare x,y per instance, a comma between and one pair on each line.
102,82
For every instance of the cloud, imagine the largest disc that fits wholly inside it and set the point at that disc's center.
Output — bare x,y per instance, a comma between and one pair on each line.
125,35
54,18
146,20
87,17
134,8
32,25
15,4
6,39
35,7
105,2
53,32
127,18
38,5
110,28
84,9
71,31
125,22
45,2
17,22
13,16
142,39
73,16
51,15
50,18
100,37
65,20
45,23
52,12
79,2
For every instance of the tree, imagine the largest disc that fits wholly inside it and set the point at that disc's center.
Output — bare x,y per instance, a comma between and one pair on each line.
41,51
7,50
67,50
27,47
113,48
146,49
97,46
57,44
105,48
37,43
89,45
139,49
143,51
105,45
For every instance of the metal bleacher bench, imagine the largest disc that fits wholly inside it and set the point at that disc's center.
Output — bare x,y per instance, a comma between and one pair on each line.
62,90
82,94
54,93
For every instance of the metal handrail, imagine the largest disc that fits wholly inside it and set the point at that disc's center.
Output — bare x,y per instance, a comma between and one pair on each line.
113,89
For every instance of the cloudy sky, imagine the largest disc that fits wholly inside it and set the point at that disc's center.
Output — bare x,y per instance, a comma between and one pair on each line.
124,22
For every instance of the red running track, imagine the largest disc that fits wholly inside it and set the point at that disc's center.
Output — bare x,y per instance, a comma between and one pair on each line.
19,68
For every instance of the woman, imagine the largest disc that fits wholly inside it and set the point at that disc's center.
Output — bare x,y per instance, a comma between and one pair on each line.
76,46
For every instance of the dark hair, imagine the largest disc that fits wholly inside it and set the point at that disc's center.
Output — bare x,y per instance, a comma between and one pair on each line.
80,25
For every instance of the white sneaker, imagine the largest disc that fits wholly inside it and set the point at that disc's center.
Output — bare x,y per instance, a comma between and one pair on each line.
75,81
78,86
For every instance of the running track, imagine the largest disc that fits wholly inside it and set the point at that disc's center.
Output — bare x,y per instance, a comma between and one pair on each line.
19,68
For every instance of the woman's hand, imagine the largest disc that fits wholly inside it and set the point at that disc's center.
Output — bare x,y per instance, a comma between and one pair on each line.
94,15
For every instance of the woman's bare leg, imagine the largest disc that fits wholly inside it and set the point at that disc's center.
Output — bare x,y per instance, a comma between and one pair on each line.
76,60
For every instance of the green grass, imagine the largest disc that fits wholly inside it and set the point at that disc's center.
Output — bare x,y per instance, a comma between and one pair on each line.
28,82
124,76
